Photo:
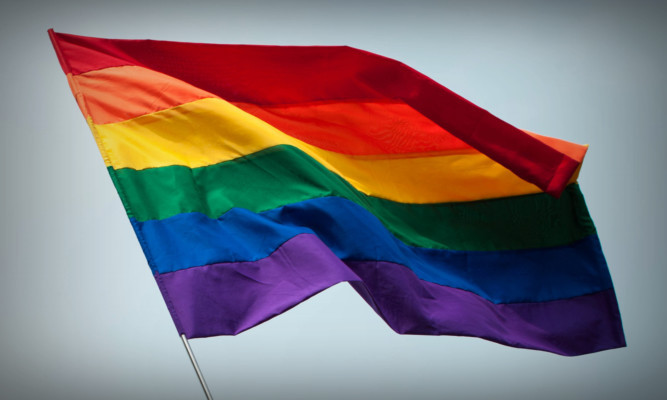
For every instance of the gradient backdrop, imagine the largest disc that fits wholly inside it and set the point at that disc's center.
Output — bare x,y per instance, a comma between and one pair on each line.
81,316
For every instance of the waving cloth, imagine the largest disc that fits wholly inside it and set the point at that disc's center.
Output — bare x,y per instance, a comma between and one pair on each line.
258,176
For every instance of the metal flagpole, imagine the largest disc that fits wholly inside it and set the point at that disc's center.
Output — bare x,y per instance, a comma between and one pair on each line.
197,370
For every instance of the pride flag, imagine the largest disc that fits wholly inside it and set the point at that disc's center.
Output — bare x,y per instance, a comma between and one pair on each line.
258,176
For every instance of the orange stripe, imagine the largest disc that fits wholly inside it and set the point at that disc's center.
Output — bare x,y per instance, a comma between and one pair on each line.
120,93
572,150
360,127
356,127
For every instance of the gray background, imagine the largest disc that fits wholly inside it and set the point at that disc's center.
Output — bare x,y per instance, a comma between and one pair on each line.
81,317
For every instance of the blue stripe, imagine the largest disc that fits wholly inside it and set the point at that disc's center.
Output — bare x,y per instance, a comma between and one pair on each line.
352,233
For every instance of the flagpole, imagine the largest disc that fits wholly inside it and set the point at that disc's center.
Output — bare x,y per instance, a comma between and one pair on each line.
197,370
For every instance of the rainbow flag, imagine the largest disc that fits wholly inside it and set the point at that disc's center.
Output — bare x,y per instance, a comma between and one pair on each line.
258,176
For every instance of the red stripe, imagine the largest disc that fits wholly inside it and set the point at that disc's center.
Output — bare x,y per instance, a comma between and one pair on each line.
277,75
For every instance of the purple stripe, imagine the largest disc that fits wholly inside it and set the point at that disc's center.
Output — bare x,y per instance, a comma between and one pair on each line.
228,298
574,326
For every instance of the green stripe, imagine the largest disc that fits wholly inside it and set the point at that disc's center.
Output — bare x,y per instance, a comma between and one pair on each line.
283,174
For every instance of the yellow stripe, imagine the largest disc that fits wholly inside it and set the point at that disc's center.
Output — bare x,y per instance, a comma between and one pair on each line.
210,131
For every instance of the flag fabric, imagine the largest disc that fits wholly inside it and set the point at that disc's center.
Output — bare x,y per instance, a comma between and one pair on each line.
258,176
